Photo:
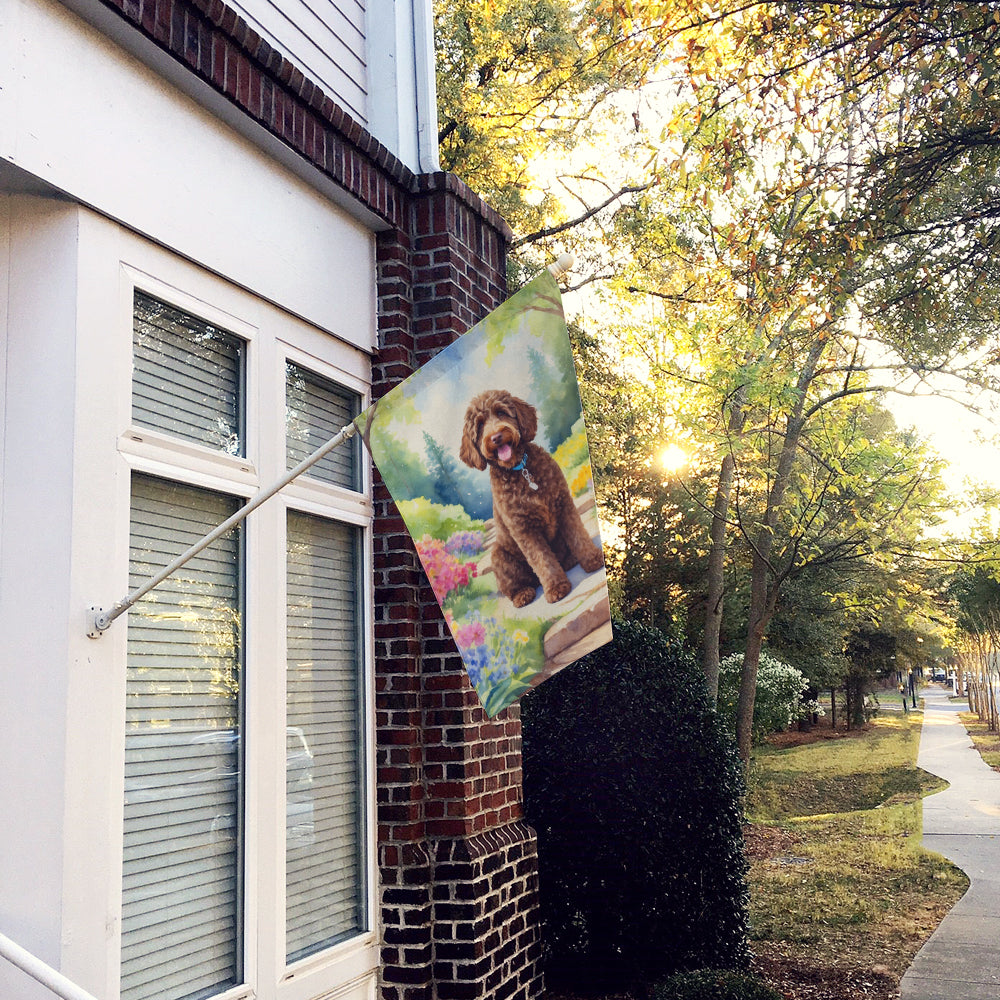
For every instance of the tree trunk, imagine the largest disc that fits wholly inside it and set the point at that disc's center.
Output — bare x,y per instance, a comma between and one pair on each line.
762,597
716,580
761,608
717,555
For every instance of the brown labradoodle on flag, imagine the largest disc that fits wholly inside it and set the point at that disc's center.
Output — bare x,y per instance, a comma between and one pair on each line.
539,532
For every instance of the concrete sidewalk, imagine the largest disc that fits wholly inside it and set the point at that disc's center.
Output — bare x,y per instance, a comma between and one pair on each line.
961,959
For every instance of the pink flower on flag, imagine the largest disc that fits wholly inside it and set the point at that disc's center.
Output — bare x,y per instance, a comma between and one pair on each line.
444,571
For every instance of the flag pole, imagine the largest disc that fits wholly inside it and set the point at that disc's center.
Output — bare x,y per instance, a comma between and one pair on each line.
100,620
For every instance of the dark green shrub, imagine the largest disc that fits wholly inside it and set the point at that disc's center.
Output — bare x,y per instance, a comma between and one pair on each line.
633,789
712,984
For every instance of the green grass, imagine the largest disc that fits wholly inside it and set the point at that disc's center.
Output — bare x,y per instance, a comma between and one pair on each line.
835,776
850,884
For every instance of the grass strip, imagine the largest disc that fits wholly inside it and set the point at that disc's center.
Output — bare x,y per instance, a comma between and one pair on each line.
987,743
838,877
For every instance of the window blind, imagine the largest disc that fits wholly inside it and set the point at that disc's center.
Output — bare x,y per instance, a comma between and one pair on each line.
187,377
182,872
315,409
325,863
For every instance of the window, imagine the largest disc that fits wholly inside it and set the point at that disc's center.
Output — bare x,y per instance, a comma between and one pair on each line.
187,377
324,851
182,870
205,830
315,409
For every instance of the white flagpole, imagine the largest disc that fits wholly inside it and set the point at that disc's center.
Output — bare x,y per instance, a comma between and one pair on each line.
101,619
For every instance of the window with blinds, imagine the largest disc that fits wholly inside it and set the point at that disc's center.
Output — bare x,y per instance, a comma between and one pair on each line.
182,871
316,409
186,819
187,376
325,862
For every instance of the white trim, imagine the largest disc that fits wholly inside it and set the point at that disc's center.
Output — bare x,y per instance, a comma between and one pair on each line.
352,963
312,497
261,227
198,304
143,444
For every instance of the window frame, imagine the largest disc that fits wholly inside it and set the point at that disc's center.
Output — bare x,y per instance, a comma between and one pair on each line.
271,338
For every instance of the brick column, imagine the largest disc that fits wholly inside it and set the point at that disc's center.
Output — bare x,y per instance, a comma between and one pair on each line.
458,867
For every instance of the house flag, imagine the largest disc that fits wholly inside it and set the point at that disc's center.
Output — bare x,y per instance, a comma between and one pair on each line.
485,453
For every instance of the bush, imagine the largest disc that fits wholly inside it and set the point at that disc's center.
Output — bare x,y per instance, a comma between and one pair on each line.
710,984
424,517
574,450
633,788
779,691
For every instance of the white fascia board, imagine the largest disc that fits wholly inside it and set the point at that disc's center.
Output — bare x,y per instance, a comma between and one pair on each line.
91,120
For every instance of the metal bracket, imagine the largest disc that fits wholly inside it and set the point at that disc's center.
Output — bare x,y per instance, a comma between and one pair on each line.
97,621
100,619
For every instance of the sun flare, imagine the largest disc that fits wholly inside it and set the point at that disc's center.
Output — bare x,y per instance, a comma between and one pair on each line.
673,457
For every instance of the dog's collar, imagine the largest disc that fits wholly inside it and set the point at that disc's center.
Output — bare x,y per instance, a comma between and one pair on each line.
522,467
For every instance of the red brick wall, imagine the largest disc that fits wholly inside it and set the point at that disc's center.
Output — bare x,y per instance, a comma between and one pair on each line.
458,868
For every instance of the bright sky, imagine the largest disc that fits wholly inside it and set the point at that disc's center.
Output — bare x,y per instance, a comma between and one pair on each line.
959,437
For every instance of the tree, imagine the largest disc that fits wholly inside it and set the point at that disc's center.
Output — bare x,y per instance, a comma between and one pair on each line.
444,474
519,77
976,593
557,398
803,213
871,653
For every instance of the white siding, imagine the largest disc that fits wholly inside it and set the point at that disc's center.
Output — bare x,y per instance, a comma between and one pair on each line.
38,397
325,39
80,114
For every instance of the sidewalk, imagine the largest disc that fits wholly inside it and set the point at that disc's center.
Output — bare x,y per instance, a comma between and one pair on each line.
961,959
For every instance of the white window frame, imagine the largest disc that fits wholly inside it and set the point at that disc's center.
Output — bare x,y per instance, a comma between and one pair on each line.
272,338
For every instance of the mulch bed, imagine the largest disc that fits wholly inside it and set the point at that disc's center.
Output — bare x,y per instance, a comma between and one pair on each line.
802,980
821,730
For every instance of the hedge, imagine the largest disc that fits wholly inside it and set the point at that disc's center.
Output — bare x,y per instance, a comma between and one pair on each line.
633,788
714,985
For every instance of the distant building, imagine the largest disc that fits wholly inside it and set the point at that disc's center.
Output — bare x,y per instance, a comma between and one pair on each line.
223,230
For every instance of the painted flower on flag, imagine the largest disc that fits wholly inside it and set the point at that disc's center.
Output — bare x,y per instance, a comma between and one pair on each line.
491,650
443,570
465,543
